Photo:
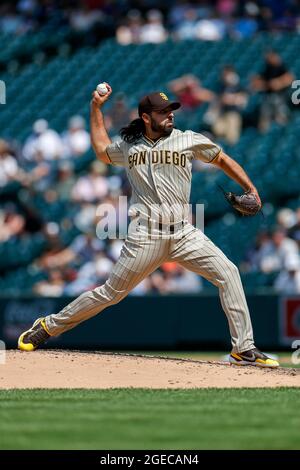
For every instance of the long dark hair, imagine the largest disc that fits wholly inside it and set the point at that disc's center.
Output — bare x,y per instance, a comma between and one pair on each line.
133,131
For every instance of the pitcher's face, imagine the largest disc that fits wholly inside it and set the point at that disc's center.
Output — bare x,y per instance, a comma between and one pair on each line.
161,122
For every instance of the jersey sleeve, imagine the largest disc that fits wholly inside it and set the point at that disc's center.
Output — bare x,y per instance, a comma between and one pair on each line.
116,152
203,148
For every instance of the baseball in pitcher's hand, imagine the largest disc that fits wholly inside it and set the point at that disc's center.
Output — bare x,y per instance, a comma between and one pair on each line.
99,100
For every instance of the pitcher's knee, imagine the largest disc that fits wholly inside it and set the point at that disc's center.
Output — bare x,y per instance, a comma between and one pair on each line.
231,272
109,295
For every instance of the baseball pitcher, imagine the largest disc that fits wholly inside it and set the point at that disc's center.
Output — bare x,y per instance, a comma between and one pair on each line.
158,161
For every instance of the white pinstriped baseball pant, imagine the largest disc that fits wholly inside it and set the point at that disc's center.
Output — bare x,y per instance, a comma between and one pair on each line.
140,256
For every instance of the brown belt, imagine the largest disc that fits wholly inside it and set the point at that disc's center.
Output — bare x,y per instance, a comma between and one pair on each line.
170,227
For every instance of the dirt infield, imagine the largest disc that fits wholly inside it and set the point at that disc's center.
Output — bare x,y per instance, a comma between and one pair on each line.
73,369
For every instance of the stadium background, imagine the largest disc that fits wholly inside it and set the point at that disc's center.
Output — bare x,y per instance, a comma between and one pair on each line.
53,55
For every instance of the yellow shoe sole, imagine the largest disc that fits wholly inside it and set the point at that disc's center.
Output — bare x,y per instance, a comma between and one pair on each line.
28,346
258,363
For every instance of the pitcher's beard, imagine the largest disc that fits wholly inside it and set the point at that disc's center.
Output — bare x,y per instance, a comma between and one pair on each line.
163,130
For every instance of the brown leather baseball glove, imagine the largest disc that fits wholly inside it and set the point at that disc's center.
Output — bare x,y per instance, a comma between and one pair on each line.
245,204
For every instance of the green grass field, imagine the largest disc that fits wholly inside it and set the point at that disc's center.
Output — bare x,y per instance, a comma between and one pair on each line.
150,419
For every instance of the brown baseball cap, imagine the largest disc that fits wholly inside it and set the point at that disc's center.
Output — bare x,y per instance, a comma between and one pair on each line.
156,101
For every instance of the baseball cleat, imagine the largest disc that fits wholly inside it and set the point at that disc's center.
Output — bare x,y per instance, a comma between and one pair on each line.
253,357
34,337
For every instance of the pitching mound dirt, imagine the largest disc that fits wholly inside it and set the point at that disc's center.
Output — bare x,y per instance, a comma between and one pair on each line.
72,369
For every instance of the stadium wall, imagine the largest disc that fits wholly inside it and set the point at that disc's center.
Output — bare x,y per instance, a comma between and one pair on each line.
169,323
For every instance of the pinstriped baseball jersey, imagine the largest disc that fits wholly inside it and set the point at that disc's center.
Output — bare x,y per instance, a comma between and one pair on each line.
160,171
160,175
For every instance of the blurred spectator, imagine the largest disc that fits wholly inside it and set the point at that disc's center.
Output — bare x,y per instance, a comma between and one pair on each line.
51,232
85,218
189,91
278,252
84,19
186,29
53,286
153,31
130,31
177,12
43,143
91,274
266,19
76,139
92,187
286,218
294,230
274,82
83,249
255,254
247,25
230,103
288,280
40,178
10,21
65,180
28,9
12,223
9,168
210,29
226,8
175,279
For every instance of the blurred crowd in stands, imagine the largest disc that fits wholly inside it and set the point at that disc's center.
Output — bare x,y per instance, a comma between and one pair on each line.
278,251
142,21
55,206
224,116
44,169
54,200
